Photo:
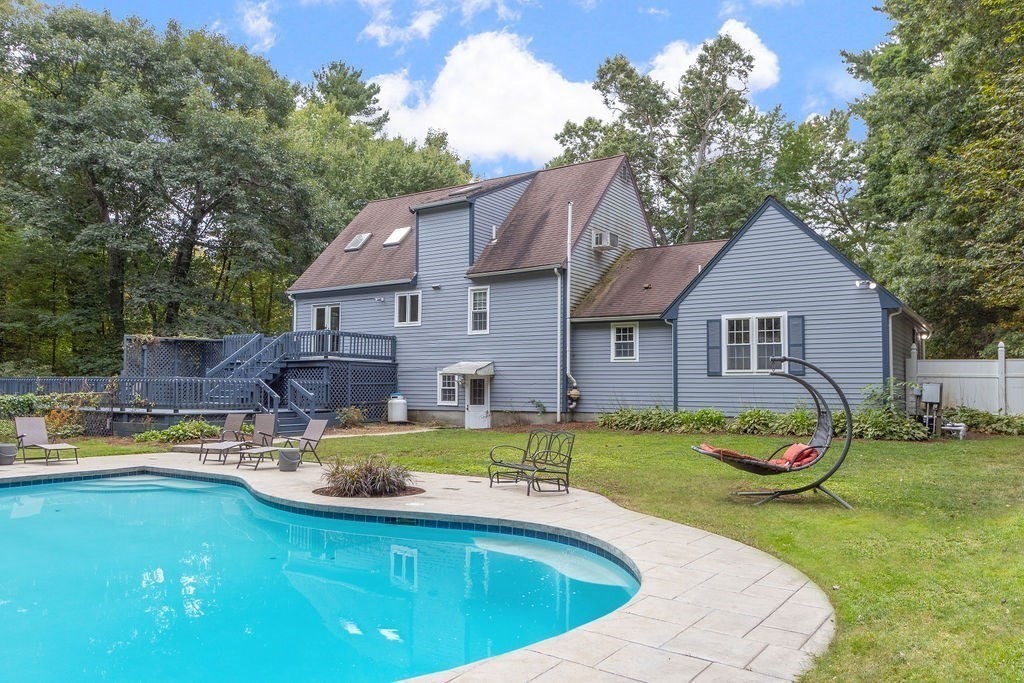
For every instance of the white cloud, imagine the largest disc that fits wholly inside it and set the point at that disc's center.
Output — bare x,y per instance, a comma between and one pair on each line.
383,28
256,24
765,73
504,10
397,22
493,97
676,57
737,8
833,87
655,11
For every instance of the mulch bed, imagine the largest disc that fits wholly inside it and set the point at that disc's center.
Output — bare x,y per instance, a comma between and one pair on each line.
411,491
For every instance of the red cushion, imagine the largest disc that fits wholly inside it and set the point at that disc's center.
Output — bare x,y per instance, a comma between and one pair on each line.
797,455
726,453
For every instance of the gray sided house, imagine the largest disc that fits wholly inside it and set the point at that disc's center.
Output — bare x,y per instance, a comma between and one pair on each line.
472,283
504,295
706,316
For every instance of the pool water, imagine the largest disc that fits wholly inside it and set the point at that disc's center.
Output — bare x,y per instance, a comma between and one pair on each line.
155,578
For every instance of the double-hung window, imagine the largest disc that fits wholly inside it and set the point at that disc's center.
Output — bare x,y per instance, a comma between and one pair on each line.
479,310
407,309
625,339
751,340
447,390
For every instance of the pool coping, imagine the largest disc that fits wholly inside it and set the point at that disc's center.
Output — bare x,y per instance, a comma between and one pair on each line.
708,608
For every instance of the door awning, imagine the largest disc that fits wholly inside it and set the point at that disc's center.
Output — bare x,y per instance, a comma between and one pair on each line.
480,368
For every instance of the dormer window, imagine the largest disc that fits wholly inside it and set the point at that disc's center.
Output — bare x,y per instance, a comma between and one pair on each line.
603,240
397,236
358,241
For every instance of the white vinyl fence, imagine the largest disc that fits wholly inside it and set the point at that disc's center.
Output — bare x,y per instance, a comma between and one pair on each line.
991,385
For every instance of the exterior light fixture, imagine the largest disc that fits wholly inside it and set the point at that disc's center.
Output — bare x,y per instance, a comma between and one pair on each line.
865,283
435,287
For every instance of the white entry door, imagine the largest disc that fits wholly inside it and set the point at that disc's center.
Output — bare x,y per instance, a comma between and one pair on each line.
478,403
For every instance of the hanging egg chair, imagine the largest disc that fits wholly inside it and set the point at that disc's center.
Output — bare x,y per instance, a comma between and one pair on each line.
794,457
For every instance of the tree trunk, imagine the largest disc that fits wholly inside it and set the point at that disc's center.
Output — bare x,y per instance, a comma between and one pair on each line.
116,262
180,274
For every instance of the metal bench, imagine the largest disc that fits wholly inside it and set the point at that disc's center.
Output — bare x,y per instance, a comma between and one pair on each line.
543,463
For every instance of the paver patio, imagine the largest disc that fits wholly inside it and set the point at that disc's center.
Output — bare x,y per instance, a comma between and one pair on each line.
708,608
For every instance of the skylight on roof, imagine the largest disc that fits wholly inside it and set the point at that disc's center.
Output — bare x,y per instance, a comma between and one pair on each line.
397,236
358,241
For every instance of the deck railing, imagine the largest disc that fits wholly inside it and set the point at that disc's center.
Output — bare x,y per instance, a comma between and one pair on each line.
337,343
301,400
52,385
174,393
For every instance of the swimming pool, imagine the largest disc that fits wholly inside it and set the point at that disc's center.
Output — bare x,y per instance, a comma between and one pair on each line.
147,577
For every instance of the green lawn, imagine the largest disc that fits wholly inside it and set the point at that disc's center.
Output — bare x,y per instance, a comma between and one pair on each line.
926,573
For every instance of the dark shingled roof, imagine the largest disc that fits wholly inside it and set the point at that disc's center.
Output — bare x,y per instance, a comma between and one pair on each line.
374,263
644,282
533,234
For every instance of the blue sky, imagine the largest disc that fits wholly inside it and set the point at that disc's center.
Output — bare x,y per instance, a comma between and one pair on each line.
502,76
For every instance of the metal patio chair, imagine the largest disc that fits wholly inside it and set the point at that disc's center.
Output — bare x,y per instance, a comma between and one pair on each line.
261,445
32,433
229,439
310,439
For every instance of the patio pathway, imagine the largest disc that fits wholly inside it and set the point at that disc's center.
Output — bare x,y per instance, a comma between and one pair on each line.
708,608
194,447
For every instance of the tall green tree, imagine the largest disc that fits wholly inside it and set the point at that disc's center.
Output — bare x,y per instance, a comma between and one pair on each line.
986,180
820,170
928,106
702,153
164,182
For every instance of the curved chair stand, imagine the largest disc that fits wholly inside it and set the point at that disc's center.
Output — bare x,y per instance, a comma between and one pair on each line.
820,442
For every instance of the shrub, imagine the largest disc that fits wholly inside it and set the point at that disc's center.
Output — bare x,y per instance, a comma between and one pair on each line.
876,423
754,421
187,430
376,476
662,420
64,423
349,417
986,423
18,406
800,421
705,420
25,405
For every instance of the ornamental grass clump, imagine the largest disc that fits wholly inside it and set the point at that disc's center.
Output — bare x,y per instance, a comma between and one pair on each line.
375,476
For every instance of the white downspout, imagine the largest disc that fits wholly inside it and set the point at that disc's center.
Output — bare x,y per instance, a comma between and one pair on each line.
568,296
558,350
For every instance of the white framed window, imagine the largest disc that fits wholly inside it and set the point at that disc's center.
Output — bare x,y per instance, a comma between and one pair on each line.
750,340
479,310
625,342
407,309
447,390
